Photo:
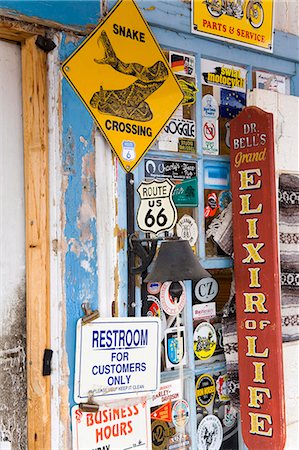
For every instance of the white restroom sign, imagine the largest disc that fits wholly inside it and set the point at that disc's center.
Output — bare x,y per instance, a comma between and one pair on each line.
157,211
117,358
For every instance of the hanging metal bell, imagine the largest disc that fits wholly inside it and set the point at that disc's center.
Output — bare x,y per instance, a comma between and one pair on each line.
175,262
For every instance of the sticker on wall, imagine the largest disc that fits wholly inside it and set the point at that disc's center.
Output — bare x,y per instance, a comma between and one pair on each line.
186,193
153,306
204,311
189,89
225,198
163,413
210,137
206,289
179,128
161,432
180,441
209,433
128,150
180,413
182,64
209,108
177,170
231,103
272,82
169,391
205,390
222,388
212,207
175,346
230,416
187,229
170,304
215,73
186,145
205,341
153,288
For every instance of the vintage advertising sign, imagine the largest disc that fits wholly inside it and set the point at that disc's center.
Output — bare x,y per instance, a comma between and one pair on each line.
247,23
122,77
113,427
157,211
186,193
117,358
163,168
214,73
257,279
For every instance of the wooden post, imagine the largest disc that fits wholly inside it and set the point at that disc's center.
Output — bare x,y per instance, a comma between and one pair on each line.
34,86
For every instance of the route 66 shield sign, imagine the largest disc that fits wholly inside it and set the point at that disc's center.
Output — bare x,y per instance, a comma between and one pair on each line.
156,212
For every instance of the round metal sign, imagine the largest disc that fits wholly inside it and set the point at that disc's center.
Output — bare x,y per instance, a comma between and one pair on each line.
206,289
204,341
209,433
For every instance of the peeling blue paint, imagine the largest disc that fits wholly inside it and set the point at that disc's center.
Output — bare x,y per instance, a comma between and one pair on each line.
80,232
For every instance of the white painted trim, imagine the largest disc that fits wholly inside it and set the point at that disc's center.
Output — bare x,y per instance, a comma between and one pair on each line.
106,222
57,297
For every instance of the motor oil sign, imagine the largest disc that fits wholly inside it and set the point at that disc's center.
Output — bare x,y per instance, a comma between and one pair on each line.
257,279
112,428
117,358
123,78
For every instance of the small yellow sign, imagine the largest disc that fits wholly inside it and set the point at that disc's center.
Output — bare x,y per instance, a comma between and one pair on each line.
124,80
247,22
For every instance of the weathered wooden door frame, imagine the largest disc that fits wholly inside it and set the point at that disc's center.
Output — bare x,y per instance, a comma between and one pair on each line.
35,135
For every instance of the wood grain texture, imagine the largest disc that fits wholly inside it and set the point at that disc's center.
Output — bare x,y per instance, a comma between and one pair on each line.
35,123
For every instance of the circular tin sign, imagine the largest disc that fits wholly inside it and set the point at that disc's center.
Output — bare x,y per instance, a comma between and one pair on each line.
153,288
180,414
210,108
209,433
161,432
206,289
187,229
172,306
204,341
205,390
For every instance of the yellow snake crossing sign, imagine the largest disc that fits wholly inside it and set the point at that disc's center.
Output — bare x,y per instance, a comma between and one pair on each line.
123,78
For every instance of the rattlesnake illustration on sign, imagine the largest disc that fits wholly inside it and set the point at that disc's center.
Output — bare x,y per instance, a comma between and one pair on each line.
128,103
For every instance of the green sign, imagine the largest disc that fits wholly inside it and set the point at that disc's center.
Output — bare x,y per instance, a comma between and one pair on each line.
186,193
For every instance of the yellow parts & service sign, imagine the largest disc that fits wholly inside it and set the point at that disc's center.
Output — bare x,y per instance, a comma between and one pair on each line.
124,80
245,22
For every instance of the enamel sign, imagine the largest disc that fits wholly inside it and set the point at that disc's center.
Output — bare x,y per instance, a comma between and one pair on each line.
247,23
114,427
257,279
157,211
122,77
117,358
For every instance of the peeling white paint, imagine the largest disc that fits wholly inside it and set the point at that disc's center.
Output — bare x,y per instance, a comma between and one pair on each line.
106,222
84,141
60,421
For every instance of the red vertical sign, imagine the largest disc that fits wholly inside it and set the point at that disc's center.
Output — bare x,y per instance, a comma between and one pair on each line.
257,280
